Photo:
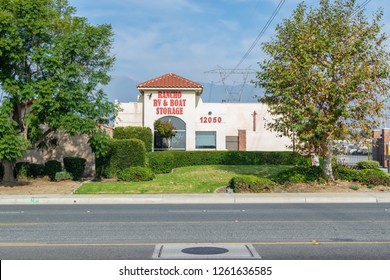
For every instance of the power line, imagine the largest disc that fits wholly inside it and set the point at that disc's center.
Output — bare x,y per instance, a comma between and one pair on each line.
275,12
360,7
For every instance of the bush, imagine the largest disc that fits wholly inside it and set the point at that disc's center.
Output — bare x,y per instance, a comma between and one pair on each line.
75,166
131,132
37,170
51,168
22,170
164,162
299,174
345,173
368,164
250,183
136,174
63,175
122,154
374,177
1,171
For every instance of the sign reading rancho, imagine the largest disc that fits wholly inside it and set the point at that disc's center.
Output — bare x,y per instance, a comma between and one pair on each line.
169,103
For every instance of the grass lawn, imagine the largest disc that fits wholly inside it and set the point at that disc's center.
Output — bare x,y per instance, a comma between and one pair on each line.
191,179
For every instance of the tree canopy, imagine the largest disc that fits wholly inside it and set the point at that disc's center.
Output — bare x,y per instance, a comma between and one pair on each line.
53,65
326,76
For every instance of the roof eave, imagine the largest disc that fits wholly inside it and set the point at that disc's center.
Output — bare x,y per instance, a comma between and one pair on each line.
143,89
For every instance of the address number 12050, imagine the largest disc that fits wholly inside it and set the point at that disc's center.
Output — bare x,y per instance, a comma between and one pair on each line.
211,119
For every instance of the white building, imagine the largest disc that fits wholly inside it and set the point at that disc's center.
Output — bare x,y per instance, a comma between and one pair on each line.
213,126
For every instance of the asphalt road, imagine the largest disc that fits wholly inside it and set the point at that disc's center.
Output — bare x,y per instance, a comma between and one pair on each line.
276,231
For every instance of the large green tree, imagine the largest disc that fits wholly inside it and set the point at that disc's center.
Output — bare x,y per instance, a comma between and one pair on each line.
53,65
326,77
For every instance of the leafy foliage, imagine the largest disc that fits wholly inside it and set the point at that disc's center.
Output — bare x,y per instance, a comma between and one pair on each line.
250,183
22,170
346,173
131,132
53,65
99,142
136,174
299,174
52,167
374,177
12,144
327,76
368,164
62,176
164,128
75,166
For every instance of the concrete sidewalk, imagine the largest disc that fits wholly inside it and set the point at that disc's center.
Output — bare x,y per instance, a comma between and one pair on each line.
368,197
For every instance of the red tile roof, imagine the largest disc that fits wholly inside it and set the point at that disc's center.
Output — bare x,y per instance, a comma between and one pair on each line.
170,81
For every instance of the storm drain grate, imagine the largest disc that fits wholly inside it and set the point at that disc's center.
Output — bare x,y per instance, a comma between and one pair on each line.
205,251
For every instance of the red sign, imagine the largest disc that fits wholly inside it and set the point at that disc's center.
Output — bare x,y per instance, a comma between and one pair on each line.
169,103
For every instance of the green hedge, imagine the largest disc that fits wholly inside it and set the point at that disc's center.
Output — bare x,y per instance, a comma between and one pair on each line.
345,173
75,166
122,154
136,174
374,177
52,167
164,162
250,183
133,132
299,174
22,169
368,164
37,170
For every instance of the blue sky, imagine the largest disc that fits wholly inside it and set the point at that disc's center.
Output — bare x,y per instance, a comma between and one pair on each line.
188,37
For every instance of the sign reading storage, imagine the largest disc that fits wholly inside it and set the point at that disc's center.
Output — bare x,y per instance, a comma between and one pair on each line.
169,103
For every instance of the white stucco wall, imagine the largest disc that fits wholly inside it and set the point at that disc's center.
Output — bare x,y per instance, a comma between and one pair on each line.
223,118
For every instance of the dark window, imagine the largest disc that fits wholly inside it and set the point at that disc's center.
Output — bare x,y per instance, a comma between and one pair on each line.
206,139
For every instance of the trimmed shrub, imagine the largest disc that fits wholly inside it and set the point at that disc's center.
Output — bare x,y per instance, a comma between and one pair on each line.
134,132
374,177
51,168
63,175
299,174
368,164
345,173
22,169
122,154
164,162
37,170
250,183
136,174
1,171
75,166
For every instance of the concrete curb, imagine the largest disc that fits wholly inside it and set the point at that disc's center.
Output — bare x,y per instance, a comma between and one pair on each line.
229,198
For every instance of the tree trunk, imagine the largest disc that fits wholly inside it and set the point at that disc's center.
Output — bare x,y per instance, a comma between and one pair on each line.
8,171
327,167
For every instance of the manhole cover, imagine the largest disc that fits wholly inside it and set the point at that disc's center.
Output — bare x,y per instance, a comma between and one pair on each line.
205,250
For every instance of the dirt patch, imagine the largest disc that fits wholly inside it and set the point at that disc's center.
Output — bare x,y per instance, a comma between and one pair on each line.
38,186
